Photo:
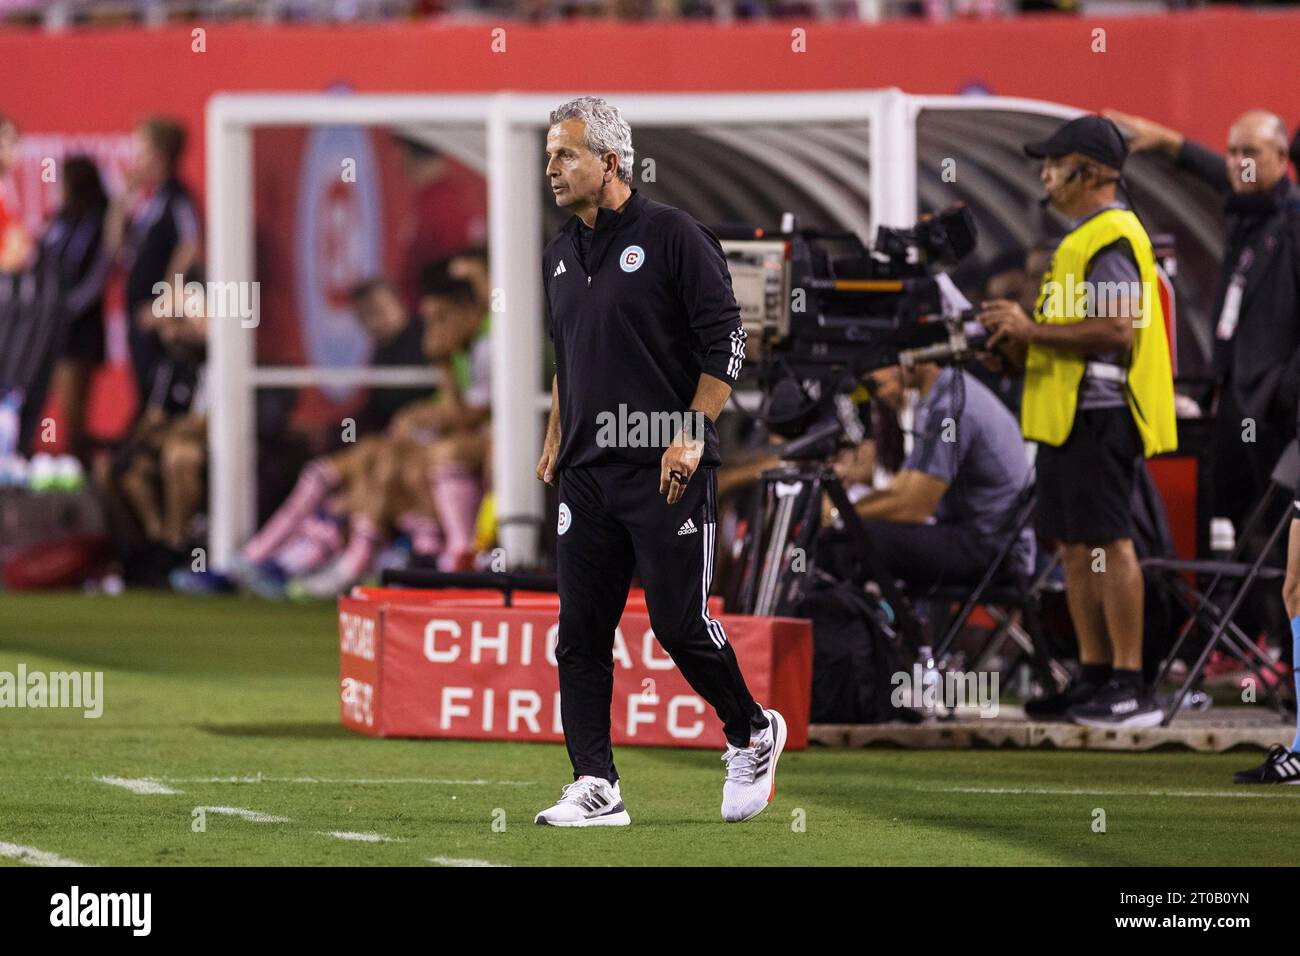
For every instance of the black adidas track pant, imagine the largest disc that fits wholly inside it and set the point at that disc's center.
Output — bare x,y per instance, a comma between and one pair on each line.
614,520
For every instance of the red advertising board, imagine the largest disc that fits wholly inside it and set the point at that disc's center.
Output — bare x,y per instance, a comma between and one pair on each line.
412,668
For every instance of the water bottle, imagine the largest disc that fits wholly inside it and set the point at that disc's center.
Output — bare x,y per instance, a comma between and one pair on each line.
930,697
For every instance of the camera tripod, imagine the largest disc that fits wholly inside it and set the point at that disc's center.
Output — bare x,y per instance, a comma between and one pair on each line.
779,560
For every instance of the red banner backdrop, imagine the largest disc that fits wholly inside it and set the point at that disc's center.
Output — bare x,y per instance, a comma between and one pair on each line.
455,666
1194,70
86,89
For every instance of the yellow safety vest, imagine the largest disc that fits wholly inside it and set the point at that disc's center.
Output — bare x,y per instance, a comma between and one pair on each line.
1052,375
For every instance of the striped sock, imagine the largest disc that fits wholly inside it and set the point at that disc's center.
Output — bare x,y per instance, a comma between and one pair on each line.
308,550
457,494
364,540
317,480
424,532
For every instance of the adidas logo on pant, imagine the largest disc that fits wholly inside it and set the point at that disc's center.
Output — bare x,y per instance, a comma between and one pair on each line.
688,528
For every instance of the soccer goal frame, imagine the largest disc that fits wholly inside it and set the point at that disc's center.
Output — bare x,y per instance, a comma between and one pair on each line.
514,170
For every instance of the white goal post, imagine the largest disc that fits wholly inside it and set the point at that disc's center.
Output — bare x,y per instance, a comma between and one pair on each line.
513,167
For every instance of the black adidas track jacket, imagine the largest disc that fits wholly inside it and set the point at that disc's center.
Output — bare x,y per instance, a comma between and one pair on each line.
651,308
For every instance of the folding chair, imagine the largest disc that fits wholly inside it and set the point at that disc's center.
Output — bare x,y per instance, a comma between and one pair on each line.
1201,606
1002,591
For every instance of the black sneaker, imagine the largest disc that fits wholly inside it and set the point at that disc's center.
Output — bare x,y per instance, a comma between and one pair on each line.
1280,766
1053,707
1117,705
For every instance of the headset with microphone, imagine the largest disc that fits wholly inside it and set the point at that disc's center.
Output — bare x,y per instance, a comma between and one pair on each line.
1074,174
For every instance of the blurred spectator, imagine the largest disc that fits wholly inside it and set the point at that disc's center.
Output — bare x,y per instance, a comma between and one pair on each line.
154,489
72,251
153,229
397,342
422,475
58,311
13,256
430,463
448,212
1257,307
455,312
154,485
341,501
15,246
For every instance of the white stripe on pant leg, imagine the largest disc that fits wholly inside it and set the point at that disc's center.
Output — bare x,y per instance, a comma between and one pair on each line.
715,629
713,547
704,588
708,582
711,528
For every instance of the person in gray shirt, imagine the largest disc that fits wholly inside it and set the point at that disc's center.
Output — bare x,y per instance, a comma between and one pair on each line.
1113,267
951,505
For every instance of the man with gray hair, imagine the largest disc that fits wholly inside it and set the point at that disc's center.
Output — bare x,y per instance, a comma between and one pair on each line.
1257,307
646,330
1256,345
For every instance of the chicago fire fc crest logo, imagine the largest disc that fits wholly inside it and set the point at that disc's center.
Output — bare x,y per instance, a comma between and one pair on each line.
631,258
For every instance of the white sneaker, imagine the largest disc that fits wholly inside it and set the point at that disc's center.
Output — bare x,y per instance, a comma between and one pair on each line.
751,772
587,802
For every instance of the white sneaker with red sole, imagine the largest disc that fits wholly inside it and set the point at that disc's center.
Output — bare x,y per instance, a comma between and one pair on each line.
751,772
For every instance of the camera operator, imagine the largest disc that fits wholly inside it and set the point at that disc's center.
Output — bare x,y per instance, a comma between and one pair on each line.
1257,305
950,506
1098,395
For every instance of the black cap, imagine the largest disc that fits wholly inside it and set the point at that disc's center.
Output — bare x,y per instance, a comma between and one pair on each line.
1094,136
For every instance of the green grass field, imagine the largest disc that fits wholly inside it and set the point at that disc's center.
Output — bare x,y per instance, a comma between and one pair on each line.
233,703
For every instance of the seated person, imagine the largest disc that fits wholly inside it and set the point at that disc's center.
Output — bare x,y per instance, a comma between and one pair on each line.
315,524
395,337
427,474
154,486
422,468
947,511
424,476
458,342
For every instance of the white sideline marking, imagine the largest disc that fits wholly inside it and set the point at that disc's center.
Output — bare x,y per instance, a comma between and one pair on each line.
252,816
33,856
1045,791
362,781
453,861
142,785
359,837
